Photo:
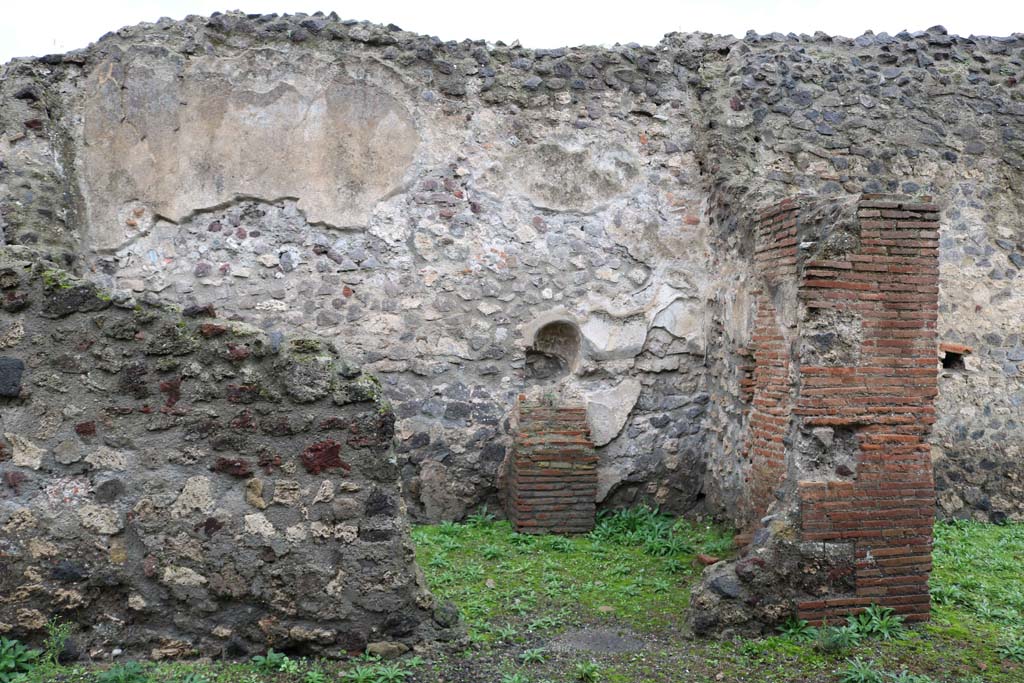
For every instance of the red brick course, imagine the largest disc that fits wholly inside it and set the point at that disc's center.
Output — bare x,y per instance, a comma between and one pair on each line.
772,400
553,475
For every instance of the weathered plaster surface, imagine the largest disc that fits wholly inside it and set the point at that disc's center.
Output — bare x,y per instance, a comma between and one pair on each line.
164,136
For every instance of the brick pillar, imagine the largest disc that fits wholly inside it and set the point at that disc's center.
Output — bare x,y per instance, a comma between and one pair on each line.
885,507
844,382
553,476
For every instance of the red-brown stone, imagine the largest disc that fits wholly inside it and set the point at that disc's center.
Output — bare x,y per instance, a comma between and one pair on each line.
14,480
212,330
172,389
324,455
236,467
85,429
244,420
238,352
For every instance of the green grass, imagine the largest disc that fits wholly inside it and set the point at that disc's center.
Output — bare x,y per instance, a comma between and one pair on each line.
978,572
634,569
257,670
517,593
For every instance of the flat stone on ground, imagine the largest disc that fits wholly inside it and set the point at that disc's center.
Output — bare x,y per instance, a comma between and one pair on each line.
601,640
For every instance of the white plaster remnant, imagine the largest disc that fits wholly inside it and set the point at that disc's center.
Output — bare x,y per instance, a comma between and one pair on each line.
104,458
99,518
326,492
183,576
608,410
608,338
287,492
222,135
336,588
683,318
12,334
609,477
195,496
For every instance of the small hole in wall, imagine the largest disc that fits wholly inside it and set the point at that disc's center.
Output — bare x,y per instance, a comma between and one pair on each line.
952,355
953,361
554,352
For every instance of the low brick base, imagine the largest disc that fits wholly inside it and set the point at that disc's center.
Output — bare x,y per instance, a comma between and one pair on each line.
553,477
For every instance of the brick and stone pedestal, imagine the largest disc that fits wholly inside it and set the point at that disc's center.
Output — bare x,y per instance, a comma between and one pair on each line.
553,476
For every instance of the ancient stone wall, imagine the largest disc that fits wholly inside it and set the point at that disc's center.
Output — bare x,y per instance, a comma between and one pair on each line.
487,227
182,485
433,206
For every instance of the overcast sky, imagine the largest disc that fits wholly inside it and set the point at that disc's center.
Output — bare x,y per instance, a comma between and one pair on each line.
27,28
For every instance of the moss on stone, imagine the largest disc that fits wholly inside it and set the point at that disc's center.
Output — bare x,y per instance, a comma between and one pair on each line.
54,278
305,346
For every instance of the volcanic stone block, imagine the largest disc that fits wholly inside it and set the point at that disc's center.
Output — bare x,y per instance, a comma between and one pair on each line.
11,370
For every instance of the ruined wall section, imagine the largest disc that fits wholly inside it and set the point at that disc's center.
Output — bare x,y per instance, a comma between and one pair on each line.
40,202
978,450
495,199
772,376
638,157
867,391
180,485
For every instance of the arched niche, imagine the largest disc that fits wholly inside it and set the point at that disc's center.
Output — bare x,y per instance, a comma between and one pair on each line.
555,351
